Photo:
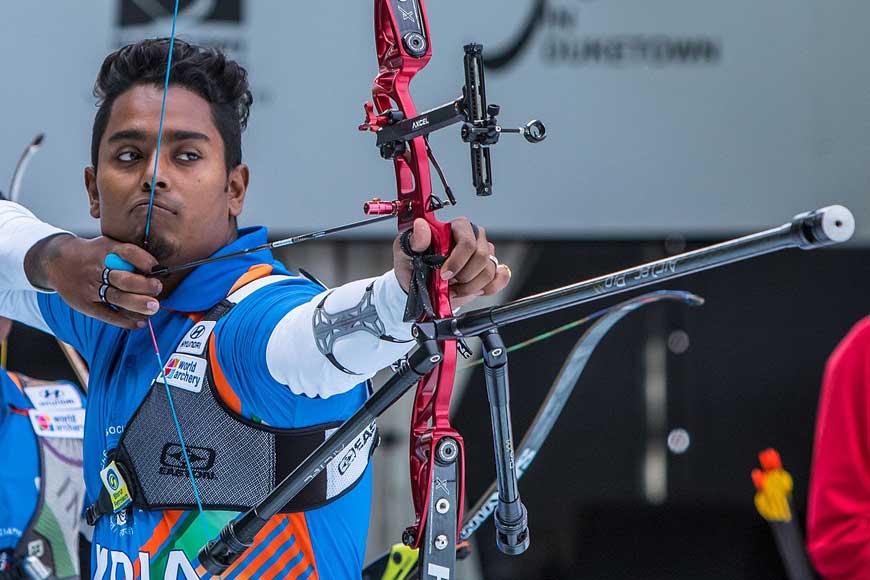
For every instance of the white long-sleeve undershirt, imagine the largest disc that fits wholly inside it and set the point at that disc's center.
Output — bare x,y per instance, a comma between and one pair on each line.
294,359
20,230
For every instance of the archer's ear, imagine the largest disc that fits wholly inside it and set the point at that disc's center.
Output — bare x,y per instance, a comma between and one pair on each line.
237,187
93,193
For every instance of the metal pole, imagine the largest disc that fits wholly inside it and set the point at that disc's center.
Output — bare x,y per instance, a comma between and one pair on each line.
822,227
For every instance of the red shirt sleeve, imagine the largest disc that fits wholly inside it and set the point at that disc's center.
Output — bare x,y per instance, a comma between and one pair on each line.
838,520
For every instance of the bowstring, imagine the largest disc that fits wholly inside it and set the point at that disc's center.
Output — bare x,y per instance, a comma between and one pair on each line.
145,241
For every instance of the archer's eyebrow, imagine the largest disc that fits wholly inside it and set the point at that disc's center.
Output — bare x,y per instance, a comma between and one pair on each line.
185,136
128,135
172,136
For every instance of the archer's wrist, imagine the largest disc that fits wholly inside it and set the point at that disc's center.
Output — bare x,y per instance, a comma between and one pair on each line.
42,260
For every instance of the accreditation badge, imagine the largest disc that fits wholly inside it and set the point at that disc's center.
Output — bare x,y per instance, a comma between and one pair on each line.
114,483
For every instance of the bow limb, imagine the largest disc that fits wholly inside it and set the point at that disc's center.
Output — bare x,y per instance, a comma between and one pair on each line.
76,362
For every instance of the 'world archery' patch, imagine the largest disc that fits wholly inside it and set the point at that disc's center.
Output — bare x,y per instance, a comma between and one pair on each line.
58,424
184,372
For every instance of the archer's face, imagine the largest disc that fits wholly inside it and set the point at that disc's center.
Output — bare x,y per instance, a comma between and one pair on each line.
195,200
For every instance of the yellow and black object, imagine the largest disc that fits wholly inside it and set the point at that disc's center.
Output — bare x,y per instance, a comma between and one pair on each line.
773,500
401,563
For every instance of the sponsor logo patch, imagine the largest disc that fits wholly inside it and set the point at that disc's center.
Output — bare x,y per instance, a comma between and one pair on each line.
57,424
201,461
360,446
54,396
185,372
196,339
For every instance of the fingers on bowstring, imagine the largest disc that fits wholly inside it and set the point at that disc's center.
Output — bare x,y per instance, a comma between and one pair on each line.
137,304
134,283
128,298
136,257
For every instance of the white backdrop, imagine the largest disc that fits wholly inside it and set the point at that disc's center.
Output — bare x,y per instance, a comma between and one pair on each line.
665,116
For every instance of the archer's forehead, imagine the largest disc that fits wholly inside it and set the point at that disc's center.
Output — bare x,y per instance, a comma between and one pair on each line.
137,112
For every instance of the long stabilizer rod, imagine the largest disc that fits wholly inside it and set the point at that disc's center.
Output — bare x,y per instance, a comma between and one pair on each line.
814,229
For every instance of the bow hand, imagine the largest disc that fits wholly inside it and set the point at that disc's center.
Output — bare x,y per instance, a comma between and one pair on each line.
470,266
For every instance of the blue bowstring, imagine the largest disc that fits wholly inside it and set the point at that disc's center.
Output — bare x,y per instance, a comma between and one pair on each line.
160,130
145,243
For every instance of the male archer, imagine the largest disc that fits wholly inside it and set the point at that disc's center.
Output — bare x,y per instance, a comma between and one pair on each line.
258,365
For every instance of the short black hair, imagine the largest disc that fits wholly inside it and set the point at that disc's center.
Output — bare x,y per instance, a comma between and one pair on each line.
205,71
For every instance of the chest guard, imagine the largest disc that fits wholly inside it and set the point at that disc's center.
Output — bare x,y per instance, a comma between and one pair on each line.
48,548
235,461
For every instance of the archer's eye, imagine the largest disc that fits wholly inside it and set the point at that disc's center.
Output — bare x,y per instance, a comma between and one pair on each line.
190,156
128,156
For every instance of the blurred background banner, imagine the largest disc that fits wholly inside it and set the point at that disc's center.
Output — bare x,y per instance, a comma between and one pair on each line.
703,118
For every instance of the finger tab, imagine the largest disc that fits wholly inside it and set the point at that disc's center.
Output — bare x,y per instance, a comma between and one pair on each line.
115,262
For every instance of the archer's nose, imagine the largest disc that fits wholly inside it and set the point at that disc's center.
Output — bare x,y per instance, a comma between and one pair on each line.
160,185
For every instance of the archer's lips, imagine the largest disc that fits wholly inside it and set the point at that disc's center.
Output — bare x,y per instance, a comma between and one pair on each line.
156,207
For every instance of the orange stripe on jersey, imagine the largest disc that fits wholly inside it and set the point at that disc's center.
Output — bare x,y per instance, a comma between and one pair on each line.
251,570
278,565
17,380
299,525
159,537
225,391
195,316
253,273
259,537
299,569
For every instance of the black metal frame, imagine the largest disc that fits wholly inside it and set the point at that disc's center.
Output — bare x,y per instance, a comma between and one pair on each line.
810,230
480,127
545,419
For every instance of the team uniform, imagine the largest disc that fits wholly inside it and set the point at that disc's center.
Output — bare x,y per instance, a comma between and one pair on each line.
838,519
41,487
260,359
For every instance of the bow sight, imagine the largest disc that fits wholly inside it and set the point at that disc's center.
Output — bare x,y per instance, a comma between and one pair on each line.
480,128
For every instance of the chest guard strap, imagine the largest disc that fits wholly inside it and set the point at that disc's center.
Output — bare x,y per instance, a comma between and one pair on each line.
235,461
